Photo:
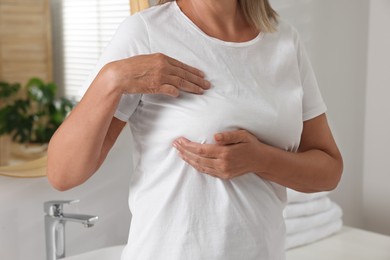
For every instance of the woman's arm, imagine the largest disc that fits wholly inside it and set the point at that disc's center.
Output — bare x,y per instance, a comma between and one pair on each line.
317,166
83,141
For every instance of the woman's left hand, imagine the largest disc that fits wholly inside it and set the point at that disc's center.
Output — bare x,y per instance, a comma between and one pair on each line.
235,153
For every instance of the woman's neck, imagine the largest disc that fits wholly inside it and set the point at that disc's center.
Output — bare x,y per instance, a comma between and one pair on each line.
222,19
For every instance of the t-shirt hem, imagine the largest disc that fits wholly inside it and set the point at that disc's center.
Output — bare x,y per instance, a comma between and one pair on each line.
314,112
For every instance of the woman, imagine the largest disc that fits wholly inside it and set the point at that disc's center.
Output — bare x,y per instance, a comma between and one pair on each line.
225,113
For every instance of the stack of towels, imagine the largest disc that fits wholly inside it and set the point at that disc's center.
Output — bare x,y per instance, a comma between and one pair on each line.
310,217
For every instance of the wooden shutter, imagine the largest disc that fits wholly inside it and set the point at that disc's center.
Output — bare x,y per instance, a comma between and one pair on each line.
25,40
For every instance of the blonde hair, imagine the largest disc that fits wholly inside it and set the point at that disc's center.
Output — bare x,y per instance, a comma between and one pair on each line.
258,13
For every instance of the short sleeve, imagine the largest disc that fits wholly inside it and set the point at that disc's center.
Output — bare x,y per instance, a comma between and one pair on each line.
313,104
130,39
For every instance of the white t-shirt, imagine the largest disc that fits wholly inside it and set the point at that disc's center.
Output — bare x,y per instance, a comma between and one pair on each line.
265,85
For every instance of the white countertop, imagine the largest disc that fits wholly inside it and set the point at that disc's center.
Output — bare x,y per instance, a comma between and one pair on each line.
349,243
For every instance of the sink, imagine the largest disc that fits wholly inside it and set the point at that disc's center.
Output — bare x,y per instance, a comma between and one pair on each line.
112,253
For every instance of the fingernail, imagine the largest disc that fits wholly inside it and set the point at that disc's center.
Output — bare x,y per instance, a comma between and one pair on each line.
207,84
183,140
175,145
177,142
218,137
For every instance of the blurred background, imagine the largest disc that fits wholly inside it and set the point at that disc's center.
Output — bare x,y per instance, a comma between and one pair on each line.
60,40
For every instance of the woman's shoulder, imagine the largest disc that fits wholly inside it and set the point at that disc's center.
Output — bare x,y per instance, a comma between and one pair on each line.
153,13
139,19
285,33
284,28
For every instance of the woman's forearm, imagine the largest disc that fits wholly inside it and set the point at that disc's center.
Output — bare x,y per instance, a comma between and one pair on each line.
74,152
309,171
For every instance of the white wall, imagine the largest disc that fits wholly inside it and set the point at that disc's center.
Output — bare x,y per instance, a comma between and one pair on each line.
340,57
105,194
376,180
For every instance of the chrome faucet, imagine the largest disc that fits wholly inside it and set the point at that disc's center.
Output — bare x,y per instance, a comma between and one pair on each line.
55,220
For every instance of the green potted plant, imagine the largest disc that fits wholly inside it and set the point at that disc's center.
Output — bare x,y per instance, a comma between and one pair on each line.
33,118
8,92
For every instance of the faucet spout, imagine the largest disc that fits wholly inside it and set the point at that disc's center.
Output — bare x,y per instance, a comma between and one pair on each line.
86,220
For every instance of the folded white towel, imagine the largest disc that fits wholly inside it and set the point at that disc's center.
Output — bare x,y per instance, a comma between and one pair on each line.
296,196
300,224
312,235
311,207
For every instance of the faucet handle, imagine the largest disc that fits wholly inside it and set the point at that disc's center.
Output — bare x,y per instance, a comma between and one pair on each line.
55,207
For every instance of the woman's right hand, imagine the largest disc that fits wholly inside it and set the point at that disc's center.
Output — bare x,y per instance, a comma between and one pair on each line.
82,142
154,74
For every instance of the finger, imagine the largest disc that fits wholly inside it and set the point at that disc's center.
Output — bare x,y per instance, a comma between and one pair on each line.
199,167
197,160
232,137
170,85
188,74
184,85
211,172
186,67
190,77
207,169
204,150
168,90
